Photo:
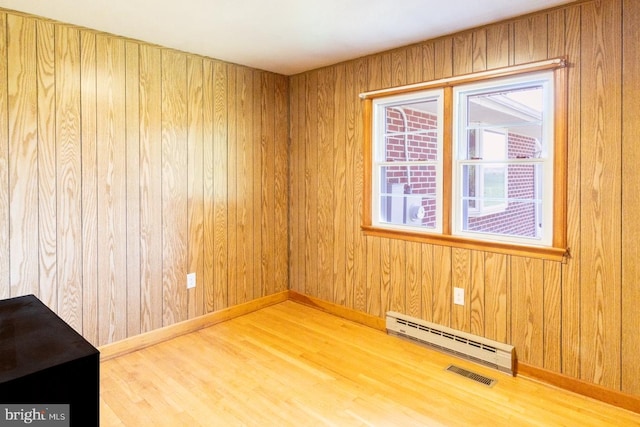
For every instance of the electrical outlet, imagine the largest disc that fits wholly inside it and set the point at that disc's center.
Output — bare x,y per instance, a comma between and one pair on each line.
458,296
191,280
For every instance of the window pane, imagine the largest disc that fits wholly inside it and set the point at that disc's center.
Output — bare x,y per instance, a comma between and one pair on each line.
520,221
516,112
494,185
408,195
411,131
513,209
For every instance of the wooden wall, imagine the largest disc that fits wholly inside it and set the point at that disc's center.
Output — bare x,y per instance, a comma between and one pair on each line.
578,318
124,166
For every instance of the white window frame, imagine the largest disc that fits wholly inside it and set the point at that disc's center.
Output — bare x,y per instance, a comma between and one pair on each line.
378,160
546,158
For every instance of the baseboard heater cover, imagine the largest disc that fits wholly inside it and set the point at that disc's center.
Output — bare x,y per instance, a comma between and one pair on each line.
468,346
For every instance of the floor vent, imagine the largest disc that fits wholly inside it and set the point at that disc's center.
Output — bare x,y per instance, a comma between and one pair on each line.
471,347
489,382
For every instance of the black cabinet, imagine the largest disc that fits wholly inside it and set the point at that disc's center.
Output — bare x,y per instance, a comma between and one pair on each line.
43,361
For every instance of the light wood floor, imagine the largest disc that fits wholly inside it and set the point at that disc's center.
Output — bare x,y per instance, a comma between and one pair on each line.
291,365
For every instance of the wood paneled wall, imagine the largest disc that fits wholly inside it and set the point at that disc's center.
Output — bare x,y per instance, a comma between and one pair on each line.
578,318
124,166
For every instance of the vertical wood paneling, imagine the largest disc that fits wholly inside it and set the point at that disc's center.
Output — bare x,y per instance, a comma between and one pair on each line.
498,46
301,182
110,151
360,241
195,184
257,278
111,189
479,49
281,172
355,288
463,53
443,49
222,200
461,278
68,176
571,270
311,185
556,30
426,288
399,67
477,294
497,297
339,154
386,70
208,189
88,106
132,83
530,38
527,311
244,185
232,188
386,290
325,180
268,199
428,62
47,188
414,62
374,277
23,154
552,288
296,189
442,290
151,188
413,266
174,186
600,190
5,217
630,199
397,274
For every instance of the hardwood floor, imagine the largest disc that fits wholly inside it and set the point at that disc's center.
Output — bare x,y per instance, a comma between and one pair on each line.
292,365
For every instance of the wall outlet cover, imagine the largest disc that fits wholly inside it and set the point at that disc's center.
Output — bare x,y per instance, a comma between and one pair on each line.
191,280
458,296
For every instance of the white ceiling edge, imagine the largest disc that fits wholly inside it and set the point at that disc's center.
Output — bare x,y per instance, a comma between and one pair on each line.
281,36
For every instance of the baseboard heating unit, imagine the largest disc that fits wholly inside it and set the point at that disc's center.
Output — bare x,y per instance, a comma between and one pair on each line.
467,346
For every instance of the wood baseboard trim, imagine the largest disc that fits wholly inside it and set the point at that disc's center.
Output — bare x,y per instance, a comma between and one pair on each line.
594,391
340,311
147,339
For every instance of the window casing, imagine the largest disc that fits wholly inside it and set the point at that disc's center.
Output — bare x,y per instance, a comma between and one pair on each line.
488,137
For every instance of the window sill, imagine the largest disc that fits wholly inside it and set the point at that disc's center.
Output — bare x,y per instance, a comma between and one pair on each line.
539,252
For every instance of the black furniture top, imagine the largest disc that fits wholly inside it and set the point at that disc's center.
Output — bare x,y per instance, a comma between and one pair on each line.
34,338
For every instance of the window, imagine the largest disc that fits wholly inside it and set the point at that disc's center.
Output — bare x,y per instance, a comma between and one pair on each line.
503,159
471,161
408,161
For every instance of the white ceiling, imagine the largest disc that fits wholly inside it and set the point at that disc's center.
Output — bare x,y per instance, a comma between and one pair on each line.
283,36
